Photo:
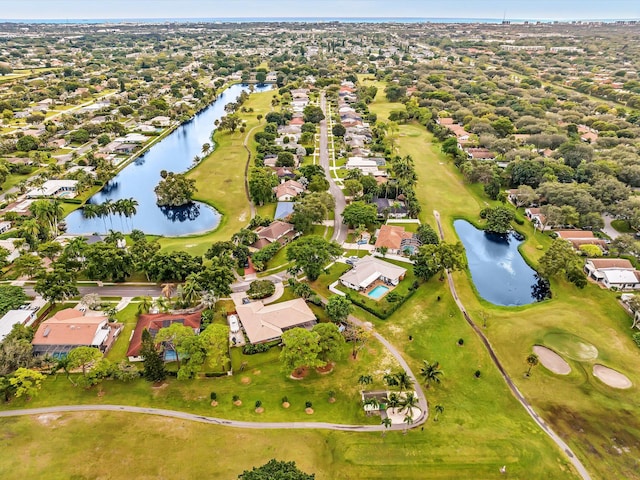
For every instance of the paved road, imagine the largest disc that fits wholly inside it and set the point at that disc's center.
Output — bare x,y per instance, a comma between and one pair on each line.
199,418
112,291
340,229
514,390
608,229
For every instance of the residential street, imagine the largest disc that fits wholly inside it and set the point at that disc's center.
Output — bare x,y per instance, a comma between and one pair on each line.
340,229
113,290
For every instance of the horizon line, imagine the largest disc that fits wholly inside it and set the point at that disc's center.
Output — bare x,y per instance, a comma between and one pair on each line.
310,19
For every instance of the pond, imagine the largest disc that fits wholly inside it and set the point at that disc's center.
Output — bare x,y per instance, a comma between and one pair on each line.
499,272
138,179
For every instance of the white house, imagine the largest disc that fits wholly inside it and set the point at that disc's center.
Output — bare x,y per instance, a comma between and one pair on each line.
9,245
55,188
370,269
365,165
613,273
15,317
5,227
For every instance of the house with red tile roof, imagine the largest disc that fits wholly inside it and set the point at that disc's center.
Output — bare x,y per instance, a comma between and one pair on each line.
154,322
71,328
396,240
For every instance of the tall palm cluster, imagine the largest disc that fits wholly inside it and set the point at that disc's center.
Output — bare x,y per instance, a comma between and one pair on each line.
126,207
46,215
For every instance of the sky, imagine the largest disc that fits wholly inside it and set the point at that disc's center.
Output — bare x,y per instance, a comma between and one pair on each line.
512,9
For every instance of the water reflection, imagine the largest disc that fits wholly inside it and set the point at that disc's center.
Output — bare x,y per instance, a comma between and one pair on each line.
138,180
499,272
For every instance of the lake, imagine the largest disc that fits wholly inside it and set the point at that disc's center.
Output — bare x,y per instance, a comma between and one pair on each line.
138,179
499,272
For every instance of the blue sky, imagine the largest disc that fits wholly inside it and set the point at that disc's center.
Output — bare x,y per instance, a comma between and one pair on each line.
515,9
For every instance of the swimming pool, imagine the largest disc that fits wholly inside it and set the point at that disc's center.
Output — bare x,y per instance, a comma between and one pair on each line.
378,292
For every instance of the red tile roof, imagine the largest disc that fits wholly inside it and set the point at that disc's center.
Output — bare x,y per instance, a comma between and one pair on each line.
154,322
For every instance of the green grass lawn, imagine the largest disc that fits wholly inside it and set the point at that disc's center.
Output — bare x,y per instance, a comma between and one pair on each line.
622,226
220,181
261,379
594,419
129,318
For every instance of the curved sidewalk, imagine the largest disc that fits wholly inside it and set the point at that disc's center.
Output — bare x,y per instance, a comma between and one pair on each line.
200,418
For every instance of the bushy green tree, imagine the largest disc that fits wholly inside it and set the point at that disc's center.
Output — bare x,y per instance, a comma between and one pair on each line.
312,253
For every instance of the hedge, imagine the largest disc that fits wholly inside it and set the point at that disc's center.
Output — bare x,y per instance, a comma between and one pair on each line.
387,311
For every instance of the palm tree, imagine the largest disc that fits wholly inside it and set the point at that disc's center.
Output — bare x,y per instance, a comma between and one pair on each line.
118,208
365,379
371,402
408,419
208,298
206,148
409,402
387,423
102,212
167,290
114,237
390,380
145,305
393,400
108,209
532,360
438,409
431,373
403,380
161,303
129,208
190,290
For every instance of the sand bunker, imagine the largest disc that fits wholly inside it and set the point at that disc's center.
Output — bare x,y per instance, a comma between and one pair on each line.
610,377
551,360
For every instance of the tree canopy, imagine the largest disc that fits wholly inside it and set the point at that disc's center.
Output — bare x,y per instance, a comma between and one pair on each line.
312,253
275,470
175,190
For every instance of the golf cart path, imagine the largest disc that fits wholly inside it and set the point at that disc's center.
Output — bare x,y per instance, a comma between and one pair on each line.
202,418
420,420
582,471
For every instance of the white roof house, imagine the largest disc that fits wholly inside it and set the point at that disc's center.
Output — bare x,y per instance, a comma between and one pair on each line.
613,273
52,188
365,165
9,244
133,138
369,269
15,317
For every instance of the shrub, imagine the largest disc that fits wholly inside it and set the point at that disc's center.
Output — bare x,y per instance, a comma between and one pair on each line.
285,399
477,374
636,338
235,398
460,341
308,404
519,221
251,349
261,289
258,403
213,396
